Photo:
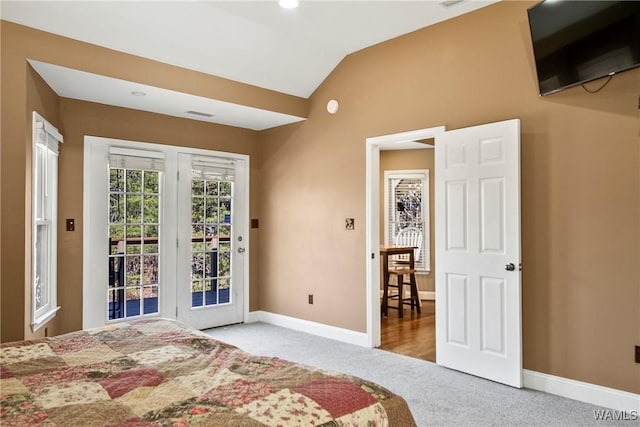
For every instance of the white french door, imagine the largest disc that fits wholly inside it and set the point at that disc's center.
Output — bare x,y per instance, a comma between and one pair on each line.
146,255
211,248
478,279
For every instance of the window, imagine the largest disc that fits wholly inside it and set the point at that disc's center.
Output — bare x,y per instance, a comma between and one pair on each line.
406,201
44,217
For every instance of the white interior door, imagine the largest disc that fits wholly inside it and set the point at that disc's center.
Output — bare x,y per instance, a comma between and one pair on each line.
478,279
212,218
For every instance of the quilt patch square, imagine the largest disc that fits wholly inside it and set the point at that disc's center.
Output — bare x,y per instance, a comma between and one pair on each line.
71,393
286,408
10,355
156,356
338,396
90,414
46,379
35,366
200,382
117,332
155,328
146,399
373,415
239,393
291,376
74,343
133,345
92,355
20,410
5,373
123,382
12,386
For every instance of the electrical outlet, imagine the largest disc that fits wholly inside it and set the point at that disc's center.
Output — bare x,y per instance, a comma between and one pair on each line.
349,224
638,354
310,298
71,224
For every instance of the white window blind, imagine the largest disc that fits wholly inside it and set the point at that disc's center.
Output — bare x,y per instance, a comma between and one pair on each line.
213,168
44,218
127,158
406,201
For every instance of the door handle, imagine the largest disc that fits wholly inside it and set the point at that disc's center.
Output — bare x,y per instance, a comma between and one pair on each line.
510,267
241,250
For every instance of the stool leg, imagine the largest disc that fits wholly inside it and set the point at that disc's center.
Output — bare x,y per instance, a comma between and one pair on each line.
414,293
385,295
401,294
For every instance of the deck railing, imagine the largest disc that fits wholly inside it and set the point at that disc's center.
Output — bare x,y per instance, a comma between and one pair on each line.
117,271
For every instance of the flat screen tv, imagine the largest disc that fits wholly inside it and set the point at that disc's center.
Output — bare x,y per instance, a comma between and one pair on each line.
578,41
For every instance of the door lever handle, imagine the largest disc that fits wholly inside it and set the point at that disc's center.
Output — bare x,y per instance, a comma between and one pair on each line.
510,267
241,250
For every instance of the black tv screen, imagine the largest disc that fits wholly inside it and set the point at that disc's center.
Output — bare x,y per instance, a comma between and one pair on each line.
578,41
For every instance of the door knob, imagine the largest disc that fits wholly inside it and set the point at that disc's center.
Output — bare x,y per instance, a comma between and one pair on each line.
510,267
241,250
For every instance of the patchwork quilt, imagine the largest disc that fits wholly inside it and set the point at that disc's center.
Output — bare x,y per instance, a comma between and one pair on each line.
160,372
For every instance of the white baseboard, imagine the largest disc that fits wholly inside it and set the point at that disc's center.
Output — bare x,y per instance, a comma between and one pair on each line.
584,392
314,328
427,295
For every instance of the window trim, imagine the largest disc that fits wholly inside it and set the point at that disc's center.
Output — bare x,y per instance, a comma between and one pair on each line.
426,214
52,138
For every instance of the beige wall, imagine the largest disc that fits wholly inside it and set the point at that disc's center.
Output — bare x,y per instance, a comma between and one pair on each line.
411,159
580,179
580,188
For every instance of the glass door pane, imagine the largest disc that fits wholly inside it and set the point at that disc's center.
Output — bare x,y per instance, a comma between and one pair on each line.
134,220
211,204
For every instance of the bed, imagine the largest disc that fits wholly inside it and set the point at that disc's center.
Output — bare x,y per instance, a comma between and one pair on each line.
160,372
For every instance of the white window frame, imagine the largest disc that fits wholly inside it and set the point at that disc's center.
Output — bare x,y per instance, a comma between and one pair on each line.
424,266
44,213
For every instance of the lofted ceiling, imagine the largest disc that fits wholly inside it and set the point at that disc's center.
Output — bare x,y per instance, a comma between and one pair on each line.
254,42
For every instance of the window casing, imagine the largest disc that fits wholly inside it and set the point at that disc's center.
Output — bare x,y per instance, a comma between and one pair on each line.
44,222
406,204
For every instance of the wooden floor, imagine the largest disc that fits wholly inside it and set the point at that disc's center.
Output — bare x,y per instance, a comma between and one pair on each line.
414,335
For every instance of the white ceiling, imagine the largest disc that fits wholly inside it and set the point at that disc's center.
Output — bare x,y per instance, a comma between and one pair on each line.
85,86
254,42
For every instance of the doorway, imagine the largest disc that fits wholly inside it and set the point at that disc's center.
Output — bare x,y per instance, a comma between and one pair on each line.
406,220
373,147
164,233
403,342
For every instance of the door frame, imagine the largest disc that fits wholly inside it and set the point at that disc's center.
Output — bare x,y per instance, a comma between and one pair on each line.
89,217
373,146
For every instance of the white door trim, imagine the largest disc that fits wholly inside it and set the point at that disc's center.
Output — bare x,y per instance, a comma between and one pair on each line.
373,146
92,318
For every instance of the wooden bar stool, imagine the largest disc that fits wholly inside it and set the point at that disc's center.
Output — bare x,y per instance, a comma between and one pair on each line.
400,281
404,276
